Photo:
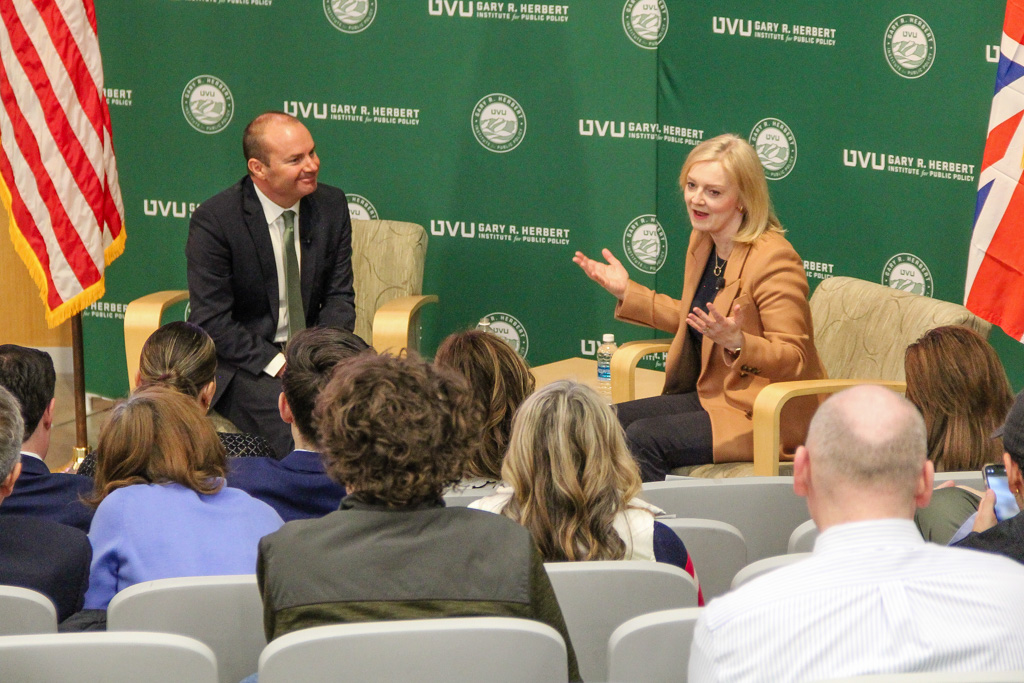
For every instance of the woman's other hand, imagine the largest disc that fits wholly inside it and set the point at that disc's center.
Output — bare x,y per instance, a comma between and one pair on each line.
726,332
612,275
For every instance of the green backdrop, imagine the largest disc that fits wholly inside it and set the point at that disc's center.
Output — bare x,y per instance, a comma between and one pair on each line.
517,133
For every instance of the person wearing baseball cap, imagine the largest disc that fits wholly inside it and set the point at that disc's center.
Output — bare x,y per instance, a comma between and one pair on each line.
989,534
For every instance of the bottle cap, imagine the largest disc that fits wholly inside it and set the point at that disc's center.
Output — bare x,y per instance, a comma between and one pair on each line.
608,339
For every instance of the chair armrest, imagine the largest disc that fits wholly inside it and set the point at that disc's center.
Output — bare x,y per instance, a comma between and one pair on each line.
141,319
624,362
768,407
395,324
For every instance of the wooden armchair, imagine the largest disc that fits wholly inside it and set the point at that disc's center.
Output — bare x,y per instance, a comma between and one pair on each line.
387,263
861,331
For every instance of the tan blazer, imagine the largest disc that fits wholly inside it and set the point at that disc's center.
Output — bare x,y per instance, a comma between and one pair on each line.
767,280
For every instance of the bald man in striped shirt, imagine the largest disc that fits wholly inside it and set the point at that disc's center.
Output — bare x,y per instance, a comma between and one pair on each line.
873,597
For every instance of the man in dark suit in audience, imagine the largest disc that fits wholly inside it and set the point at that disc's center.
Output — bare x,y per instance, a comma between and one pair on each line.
43,556
29,375
873,597
298,486
267,257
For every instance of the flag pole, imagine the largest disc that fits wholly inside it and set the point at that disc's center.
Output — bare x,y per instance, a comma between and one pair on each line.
78,355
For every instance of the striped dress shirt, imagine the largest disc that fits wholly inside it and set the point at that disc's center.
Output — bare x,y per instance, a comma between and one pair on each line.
873,598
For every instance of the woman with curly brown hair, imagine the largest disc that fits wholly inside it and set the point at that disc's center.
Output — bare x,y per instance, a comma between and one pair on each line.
162,508
500,381
571,481
395,432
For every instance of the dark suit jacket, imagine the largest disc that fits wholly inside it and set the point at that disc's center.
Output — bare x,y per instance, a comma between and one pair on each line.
47,557
52,496
232,275
296,486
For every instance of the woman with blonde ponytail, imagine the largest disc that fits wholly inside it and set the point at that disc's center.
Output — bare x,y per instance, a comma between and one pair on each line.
571,481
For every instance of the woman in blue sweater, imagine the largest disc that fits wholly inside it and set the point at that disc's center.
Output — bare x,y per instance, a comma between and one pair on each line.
163,510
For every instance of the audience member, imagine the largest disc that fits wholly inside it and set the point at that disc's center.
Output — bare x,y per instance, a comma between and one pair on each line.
163,510
955,379
395,432
29,375
38,554
298,486
182,356
1005,537
571,481
500,380
874,597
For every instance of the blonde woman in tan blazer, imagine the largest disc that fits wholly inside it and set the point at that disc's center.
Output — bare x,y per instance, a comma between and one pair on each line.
747,321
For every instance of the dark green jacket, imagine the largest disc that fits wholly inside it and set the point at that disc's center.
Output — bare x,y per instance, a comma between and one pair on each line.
368,563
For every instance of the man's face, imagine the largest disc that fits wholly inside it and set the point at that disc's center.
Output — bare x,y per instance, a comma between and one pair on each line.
292,164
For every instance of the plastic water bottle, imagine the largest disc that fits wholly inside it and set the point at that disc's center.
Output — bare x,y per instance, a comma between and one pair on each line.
484,325
604,366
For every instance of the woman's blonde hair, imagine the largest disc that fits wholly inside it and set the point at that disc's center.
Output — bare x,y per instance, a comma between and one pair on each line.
571,473
158,436
741,165
500,380
179,355
955,379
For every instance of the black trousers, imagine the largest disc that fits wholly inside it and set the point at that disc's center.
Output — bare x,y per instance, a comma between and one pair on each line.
250,401
668,431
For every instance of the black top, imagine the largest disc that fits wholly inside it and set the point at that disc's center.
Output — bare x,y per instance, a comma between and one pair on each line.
240,445
1005,538
707,289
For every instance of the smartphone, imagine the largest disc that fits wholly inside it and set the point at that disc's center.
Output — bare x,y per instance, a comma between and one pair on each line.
1006,503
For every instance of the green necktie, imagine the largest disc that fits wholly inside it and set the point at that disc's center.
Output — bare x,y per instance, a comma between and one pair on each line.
292,283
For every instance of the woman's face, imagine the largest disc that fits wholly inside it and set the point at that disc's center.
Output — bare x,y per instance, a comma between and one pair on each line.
712,200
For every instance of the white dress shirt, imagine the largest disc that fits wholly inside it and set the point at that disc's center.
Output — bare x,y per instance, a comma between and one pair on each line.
873,598
275,224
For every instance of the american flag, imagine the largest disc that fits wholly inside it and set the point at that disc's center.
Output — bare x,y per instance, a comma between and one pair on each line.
58,179
995,264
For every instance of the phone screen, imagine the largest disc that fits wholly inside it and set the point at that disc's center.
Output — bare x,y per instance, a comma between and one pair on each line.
1006,503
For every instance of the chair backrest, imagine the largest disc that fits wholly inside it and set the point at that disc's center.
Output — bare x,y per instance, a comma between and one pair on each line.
862,329
387,262
653,648
768,564
716,548
223,612
764,509
598,597
25,612
943,677
803,537
123,657
463,650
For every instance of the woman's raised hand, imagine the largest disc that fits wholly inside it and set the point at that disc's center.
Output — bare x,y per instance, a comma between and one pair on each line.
612,275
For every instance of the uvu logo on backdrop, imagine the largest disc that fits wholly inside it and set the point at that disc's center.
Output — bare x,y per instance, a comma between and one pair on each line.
909,46
776,147
360,208
645,243
207,104
645,22
511,330
350,16
909,273
909,165
498,123
158,207
508,11
640,131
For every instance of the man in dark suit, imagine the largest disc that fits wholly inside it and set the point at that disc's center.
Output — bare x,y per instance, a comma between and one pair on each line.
298,486
267,257
29,375
37,554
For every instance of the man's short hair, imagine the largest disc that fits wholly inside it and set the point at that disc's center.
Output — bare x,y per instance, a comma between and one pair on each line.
310,358
29,375
396,431
868,436
12,432
252,137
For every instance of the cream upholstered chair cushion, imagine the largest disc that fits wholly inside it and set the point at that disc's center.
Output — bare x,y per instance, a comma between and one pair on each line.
862,329
387,263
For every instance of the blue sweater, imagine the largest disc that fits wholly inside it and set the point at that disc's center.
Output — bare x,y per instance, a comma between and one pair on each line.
159,531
